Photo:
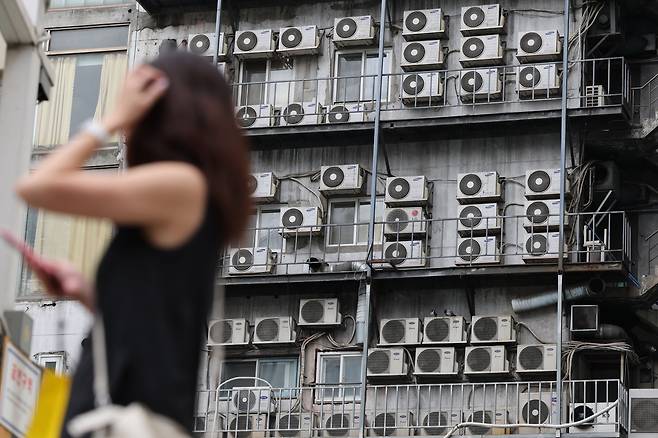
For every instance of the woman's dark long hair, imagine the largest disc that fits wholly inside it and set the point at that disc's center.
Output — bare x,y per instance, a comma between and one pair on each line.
194,122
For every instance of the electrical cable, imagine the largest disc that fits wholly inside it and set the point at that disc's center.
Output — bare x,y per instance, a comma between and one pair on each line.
531,331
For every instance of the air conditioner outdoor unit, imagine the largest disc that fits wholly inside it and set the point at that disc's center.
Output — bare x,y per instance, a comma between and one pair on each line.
407,190
606,422
444,330
319,312
301,221
478,187
301,40
542,215
354,31
277,330
478,250
537,405
643,418
263,187
255,116
228,332
423,24
342,180
594,96
342,424
401,331
436,361
543,183
488,417
490,359
542,248
402,255
423,88
496,329
405,222
302,113
539,45
254,43
437,423
252,400
348,112
291,424
538,81
536,358
422,55
480,85
479,220
246,261
481,51
480,20
203,44
387,362
248,425
382,424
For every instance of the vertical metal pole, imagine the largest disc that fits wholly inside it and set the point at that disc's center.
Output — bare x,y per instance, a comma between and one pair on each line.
218,25
373,214
563,175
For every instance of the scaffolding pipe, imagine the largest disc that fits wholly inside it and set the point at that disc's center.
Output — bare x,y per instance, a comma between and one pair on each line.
218,25
373,215
560,262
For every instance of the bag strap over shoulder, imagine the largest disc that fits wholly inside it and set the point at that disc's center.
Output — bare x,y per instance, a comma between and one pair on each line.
99,353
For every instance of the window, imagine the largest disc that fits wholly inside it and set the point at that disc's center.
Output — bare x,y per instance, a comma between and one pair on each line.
356,76
334,369
350,221
55,362
266,81
278,372
264,229
83,3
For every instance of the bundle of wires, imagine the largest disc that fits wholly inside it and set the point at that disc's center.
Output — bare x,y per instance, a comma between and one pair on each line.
570,349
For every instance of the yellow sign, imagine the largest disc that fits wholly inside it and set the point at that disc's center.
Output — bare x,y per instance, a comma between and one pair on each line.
51,406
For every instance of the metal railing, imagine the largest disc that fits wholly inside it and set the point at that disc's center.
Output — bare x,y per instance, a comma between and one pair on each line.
600,83
645,101
411,409
592,238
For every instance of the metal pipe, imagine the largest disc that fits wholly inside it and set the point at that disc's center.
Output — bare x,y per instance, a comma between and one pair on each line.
373,216
218,25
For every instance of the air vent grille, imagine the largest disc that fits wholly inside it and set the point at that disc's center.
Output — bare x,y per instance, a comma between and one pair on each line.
644,418
313,311
268,330
378,362
486,329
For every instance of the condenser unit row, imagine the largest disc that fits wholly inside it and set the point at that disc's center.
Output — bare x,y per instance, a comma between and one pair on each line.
267,330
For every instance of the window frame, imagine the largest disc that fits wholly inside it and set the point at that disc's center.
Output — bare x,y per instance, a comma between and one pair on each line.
292,359
257,210
59,357
123,48
320,395
268,74
388,69
357,201
112,5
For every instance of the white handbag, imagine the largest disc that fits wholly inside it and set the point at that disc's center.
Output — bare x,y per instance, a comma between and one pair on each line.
112,421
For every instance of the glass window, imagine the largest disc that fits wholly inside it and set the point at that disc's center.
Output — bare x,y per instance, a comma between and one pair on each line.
350,222
349,82
336,369
267,81
278,372
253,93
87,38
371,71
356,76
55,362
268,233
86,88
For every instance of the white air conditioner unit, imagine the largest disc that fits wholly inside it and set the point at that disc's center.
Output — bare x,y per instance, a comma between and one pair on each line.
422,55
479,220
245,261
536,358
342,180
402,255
478,250
302,113
480,20
302,40
423,24
252,400
319,312
437,423
643,419
263,187
488,417
401,331
537,405
254,43
539,45
606,422
407,190
405,222
537,81
247,426
481,51
255,116
543,184
203,44
295,424
436,361
346,113
277,330
489,359
423,88
342,423
383,424
354,31
228,332
542,215
480,85
387,362
495,329
542,248
444,330
301,221
478,187
594,96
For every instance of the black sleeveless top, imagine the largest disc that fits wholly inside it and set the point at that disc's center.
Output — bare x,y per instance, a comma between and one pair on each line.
155,304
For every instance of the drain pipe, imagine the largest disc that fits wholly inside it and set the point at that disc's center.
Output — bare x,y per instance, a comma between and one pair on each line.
371,223
218,25
594,286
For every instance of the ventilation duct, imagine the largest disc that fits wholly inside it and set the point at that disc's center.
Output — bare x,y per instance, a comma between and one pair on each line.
594,286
